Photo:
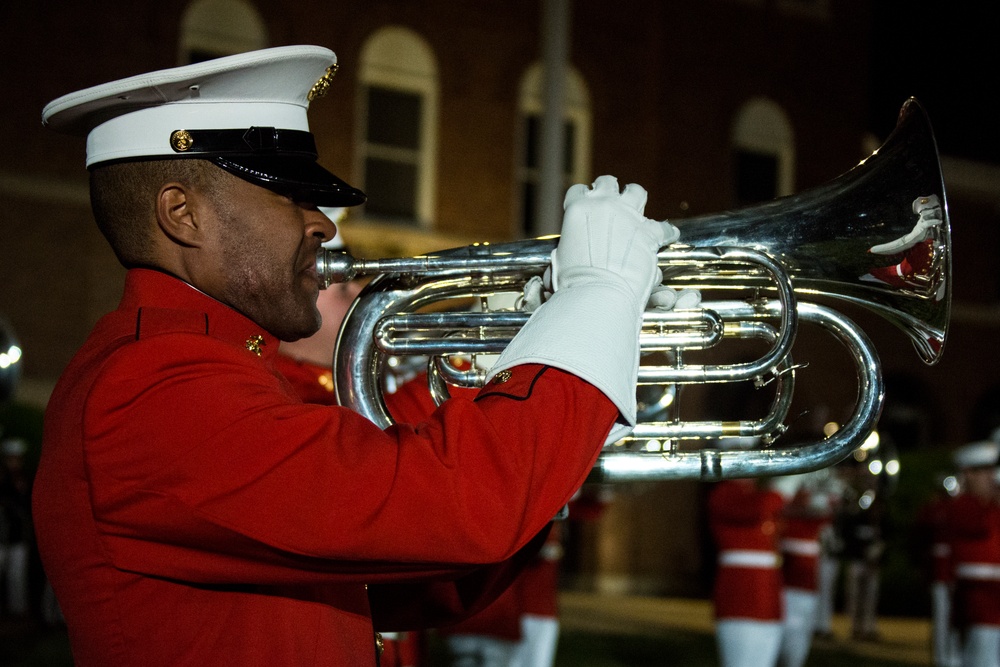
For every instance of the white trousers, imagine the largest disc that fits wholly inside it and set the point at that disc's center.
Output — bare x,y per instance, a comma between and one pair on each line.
862,597
537,647
947,652
539,638
480,651
982,647
829,568
748,643
800,621
14,570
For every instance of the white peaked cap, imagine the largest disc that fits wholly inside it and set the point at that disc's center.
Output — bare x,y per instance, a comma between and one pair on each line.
981,454
246,113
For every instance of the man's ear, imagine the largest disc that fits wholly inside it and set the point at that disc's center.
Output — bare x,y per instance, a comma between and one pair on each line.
178,214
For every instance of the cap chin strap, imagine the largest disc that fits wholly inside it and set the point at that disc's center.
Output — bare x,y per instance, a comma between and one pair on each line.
255,141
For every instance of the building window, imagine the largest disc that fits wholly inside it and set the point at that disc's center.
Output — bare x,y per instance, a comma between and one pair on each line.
763,153
576,140
398,135
214,28
756,176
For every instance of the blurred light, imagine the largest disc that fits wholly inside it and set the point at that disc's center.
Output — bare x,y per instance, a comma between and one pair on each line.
830,428
653,446
875,467
860,455
866,499
10,357
950,484
871,442
892,467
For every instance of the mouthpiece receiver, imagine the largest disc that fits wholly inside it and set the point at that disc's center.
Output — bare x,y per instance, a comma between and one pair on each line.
334,266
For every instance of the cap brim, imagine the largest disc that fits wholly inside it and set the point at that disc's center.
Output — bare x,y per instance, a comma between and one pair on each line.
295,176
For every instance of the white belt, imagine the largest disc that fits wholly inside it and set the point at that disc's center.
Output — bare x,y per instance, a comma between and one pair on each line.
799,547
978,571
748,558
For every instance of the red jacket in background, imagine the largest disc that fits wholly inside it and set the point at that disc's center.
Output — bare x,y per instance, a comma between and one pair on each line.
974,534
800,542
744,520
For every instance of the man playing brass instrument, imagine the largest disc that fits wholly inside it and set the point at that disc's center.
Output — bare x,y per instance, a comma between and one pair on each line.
190,509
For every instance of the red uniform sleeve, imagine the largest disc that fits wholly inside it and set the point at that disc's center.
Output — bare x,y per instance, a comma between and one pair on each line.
412,402
485,598
238,482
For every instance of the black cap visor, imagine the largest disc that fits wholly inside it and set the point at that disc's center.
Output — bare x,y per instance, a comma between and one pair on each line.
296,176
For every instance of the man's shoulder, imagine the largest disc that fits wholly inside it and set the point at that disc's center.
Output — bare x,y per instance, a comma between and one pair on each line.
154,321
149,338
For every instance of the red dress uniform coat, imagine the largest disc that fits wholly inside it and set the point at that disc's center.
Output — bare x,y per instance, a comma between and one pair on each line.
191,510
974,529
534,592
800,546
931,528
744,522
536,589
314,384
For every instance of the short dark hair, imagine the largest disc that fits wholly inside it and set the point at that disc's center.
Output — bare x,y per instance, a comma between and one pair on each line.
123,200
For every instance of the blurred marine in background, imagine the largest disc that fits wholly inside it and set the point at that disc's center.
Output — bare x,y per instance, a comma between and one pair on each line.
974,535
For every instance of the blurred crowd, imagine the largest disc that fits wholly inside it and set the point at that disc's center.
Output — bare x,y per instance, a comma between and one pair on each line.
785,544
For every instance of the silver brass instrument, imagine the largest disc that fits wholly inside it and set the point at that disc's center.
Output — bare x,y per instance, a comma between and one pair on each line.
763,261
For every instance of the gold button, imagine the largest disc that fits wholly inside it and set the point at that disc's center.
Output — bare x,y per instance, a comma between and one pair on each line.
502,376
181,140
254,343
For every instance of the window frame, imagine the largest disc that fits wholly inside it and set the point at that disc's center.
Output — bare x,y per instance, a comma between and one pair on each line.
762,126
235,27
397,58
577,112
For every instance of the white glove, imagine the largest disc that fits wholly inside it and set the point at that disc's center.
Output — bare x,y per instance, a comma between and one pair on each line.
537,290
604,230
603,272
667,298
928,210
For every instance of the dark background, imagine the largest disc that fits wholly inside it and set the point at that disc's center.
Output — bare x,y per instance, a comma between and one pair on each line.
945,55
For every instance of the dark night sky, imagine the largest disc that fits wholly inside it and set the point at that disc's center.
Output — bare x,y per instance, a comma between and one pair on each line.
946,55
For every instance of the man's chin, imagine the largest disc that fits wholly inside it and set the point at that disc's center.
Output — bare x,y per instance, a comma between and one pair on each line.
293,327
290,334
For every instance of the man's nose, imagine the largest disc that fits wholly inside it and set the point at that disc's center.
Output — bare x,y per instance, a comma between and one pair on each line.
318,224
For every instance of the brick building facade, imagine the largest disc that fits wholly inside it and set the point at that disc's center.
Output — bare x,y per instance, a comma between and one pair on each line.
666,94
